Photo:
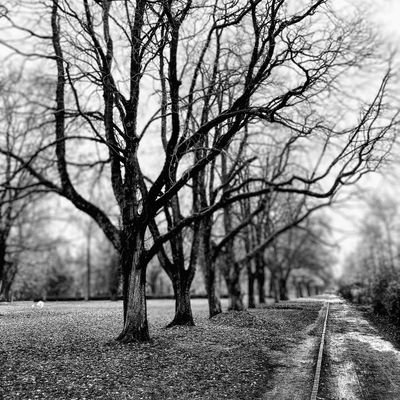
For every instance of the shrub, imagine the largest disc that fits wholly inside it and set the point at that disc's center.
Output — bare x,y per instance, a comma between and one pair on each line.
355,292
383,294
378,289
391,300
345,292
361,295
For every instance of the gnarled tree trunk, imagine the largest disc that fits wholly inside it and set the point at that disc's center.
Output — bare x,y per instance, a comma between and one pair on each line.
135,325
183,308
134,265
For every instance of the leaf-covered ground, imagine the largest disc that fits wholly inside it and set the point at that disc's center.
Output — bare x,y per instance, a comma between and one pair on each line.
67,351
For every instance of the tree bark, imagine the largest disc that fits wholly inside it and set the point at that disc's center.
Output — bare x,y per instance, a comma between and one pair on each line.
6,284
235,299
250,285
233,284
214,303
283,295
135,310
2,264
210,269
183,309
88,260
8,271
260,277
299,289
273,286
308,288
114,276
135,325
126,265
231,269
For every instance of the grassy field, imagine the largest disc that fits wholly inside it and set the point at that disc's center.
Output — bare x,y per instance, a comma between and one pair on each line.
67,351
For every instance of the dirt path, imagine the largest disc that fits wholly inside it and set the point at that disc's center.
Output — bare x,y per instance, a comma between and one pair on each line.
358,363
294,364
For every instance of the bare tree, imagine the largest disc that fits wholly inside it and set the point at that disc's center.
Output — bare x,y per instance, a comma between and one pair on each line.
377,250
302,247
18,193
282,63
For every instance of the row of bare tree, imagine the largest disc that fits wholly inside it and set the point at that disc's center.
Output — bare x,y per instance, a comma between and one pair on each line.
214,126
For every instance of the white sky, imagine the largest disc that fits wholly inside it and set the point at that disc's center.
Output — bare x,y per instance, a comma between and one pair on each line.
386,15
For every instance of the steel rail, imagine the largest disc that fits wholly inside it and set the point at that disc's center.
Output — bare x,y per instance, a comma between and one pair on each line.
317,375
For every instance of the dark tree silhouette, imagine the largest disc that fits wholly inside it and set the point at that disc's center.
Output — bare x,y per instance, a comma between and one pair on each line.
128,70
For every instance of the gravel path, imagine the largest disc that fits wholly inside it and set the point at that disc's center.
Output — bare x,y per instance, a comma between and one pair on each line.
358,363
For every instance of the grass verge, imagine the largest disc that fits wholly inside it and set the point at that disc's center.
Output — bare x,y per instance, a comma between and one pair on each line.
385,326
67,351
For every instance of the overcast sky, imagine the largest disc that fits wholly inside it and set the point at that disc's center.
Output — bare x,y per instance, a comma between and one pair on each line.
385,14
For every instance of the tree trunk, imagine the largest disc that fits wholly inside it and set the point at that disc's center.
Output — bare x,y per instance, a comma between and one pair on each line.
183,309
135,311
214,303
299,289
135,325
234,289
235,299
260,276
231,268
3,296
283,289
126,265
250,286
114,277
8,273
273,286
88,260
210,269
2,267
5,291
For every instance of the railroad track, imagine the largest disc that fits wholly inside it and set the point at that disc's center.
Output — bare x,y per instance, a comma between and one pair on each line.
317,374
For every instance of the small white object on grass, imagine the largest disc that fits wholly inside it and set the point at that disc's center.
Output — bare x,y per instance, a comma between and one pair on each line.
39,304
